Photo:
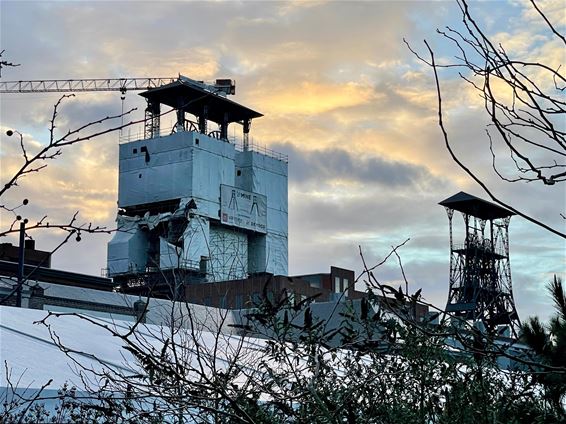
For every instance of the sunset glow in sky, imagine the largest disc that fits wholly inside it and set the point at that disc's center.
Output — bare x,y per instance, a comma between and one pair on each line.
342,96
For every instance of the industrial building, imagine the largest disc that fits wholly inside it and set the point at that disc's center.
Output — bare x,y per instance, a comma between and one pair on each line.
202,217
195,206
337,285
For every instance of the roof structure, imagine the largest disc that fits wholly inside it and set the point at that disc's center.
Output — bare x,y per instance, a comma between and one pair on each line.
50,275
472,205
23,342
193,99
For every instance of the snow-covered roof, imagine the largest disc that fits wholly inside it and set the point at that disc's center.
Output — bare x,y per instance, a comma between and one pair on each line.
33,358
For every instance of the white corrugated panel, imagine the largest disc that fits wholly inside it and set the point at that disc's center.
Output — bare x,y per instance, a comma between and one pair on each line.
195,242
169,254
127,251
163,173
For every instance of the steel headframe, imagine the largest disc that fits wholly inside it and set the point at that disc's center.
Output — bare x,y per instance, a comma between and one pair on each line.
480,291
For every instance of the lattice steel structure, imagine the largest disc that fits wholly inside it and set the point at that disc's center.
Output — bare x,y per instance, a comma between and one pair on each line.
78,85
480,276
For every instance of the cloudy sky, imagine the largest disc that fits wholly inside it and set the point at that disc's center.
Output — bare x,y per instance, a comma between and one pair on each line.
342,95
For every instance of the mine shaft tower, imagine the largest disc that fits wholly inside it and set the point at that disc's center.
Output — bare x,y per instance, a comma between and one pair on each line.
194,205
480,276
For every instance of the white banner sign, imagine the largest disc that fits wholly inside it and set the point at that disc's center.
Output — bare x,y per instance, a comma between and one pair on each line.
243,209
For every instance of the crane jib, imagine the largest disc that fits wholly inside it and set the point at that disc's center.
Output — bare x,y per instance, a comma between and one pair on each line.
76,85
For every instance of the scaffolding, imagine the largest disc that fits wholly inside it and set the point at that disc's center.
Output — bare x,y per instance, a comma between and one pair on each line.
228,254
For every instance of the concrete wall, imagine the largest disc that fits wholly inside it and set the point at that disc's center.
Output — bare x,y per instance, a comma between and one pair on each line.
164,173
192,166
268,176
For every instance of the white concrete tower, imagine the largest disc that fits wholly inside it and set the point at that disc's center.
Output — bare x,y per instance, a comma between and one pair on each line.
194,204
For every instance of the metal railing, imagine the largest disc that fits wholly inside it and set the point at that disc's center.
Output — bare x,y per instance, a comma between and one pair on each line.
479,248
236,141
262,149
184,264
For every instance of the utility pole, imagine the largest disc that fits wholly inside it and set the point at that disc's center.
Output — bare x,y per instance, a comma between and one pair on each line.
23,223
21,262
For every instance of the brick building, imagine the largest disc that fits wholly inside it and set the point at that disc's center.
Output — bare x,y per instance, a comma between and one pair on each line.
244,293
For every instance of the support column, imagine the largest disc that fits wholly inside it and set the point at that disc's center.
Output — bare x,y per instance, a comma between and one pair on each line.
247,125
224,128
202,120
180,125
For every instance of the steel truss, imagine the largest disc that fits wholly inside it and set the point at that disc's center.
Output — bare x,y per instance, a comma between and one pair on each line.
76,85
480,277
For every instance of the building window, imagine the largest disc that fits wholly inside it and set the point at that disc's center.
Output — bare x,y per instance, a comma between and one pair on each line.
346,283
314,280
337,287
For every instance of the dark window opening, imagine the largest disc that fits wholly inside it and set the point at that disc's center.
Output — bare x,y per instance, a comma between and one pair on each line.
135,151
196,141
239,172
139,176
153,208
143,149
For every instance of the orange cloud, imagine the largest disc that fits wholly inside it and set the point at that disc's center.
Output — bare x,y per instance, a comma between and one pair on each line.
310,97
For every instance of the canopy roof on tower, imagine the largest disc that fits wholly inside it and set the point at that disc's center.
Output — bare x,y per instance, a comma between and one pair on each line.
472,205
193,99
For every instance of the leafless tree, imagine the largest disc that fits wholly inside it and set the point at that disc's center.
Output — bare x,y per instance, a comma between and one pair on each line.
523,99
285,364
33,162
5,63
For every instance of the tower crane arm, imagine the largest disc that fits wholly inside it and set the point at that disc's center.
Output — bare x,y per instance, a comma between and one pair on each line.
76,85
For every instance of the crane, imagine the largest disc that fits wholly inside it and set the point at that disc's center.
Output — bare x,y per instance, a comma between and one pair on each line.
221,87
77,85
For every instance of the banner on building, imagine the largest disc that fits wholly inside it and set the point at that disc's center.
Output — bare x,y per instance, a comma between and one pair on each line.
243,209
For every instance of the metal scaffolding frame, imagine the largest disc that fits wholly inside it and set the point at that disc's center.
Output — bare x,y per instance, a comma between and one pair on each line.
228,254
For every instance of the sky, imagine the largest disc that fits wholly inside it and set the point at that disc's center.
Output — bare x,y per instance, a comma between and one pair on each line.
343,97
